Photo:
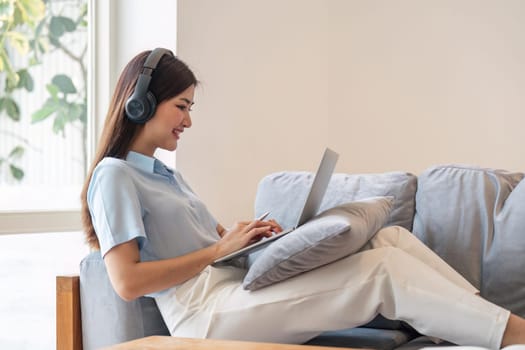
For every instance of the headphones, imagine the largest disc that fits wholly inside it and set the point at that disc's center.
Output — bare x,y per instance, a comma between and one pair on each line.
141,105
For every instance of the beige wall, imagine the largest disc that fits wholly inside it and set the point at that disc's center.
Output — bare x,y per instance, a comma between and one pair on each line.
390,85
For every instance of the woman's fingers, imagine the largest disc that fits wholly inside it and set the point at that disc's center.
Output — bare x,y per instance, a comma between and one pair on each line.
248,225
252,231
275,226
263,231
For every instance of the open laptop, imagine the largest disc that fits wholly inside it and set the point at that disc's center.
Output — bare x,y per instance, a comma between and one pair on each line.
310,208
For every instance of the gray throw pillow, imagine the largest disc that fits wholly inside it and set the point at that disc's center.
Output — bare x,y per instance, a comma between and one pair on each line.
331,235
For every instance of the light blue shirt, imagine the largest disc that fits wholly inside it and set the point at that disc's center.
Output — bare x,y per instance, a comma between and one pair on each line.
141,198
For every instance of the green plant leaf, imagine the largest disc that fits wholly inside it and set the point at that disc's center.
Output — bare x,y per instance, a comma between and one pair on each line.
12,109
12,77
33,9
18,16
43,46
16,152
64,84
83,113
33,61
60,122
26,80
49,107
6,10
60,24
39,43
39,27
53,91
54,41
12,83
74,112
19,41
28,12
16,172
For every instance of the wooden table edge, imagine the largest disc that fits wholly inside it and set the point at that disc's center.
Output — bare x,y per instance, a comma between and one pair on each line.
158,342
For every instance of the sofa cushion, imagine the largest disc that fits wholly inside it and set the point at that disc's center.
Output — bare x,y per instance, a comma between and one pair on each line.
106,318
381,322
284,193
504,263
360,337
331,235
474,218
422,341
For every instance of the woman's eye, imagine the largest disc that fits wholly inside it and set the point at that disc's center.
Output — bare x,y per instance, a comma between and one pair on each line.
184,108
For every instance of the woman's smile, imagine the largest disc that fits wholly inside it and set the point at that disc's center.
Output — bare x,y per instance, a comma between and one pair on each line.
177,132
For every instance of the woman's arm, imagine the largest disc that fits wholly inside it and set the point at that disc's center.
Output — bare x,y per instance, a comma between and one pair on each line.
132,278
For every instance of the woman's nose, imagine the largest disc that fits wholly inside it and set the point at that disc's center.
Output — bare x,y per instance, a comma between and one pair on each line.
187,121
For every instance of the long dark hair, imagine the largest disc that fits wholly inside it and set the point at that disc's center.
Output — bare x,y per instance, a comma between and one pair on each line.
170,78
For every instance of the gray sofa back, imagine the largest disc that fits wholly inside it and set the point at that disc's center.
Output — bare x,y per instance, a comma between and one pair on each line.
106,318
284,194
474,218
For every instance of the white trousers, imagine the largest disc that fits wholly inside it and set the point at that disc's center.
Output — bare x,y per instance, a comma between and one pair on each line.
394,275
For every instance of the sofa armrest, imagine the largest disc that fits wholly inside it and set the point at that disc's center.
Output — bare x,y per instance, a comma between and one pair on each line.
68,321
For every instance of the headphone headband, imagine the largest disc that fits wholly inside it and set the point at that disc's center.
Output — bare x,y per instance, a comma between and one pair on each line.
141,105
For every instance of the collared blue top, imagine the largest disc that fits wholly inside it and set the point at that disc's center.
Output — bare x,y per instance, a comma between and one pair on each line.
141,198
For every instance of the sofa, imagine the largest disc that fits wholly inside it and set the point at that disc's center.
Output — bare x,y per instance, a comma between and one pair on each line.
472,217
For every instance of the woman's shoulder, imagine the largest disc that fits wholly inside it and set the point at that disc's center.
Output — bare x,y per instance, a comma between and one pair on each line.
110,175
111,161
112,168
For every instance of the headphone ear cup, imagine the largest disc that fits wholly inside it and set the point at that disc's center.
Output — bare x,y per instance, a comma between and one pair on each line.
140,110
152,105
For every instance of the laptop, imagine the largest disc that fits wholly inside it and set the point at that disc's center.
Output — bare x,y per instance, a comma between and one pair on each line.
310,208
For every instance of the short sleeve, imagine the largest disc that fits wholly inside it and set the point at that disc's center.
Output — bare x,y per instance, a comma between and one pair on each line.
114,204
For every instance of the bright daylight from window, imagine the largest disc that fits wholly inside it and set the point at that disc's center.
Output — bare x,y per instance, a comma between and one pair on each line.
43,153
43,128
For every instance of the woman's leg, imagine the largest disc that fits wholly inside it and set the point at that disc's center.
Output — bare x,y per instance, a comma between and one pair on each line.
397,236
515,331
403,239
351,292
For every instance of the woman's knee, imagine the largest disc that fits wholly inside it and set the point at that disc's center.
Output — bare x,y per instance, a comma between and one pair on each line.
380,256
388,236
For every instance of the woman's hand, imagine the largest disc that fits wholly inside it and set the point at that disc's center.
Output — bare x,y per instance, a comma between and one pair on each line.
245,232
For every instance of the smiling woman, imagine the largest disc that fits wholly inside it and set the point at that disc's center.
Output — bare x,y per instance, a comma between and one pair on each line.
159,113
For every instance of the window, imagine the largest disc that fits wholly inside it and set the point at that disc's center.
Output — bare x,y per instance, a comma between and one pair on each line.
44,129
45,143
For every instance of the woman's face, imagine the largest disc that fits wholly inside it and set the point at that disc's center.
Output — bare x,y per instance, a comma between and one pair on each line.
164,129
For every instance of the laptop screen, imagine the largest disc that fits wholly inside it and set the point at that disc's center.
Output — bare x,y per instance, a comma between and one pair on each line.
319,186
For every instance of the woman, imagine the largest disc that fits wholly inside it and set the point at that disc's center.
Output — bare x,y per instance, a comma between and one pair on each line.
157,238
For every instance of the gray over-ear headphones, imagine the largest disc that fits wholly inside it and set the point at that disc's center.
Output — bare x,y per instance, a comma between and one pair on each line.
141,105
